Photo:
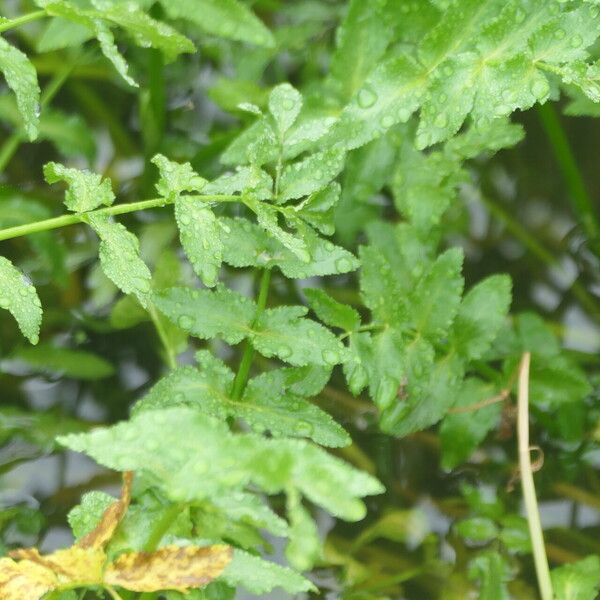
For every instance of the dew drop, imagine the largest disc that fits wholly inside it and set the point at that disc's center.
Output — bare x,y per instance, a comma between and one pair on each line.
142,284
303,428
331,357
576,41
366,98
343,265
387,121
404,115
185,322
185,219
441,120
560,34
284,352
288,104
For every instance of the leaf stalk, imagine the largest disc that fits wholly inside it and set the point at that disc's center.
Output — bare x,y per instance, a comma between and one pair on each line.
529,496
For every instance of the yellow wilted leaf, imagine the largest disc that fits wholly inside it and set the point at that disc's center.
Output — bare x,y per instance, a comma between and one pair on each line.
84,564
111,518
169,568
24,580
68,566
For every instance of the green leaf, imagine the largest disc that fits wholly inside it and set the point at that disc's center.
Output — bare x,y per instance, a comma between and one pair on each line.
75,364
226,18
430,392
200,234
21,78
461,433
319,208
207,314
86,191
556,380
436,298
330,311
248,245
402,526
61,33
176,178
18,296
477,529
360,43
260,577
304,547
577,581
283,332
120,258
285,103
268,402
245,179
480,316
311,174
267,219
146,31
143,29
199,458
84,517
390,94
492,572
69,133
251,508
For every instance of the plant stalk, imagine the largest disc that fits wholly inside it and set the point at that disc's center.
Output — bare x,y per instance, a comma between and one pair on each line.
170,355
531,506
580,199
156,535
117,209
239,383
22,20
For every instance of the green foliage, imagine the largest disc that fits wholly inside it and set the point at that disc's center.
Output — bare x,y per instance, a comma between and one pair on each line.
19,297
86,190
21,77
366,199
578,581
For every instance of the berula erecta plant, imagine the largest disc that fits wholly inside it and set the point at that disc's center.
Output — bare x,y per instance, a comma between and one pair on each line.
302,258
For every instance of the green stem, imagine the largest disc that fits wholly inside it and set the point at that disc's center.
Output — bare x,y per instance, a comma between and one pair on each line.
117,209
170,354
580,199
156,535
161,527
22,20
9,147
531,506
239,383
